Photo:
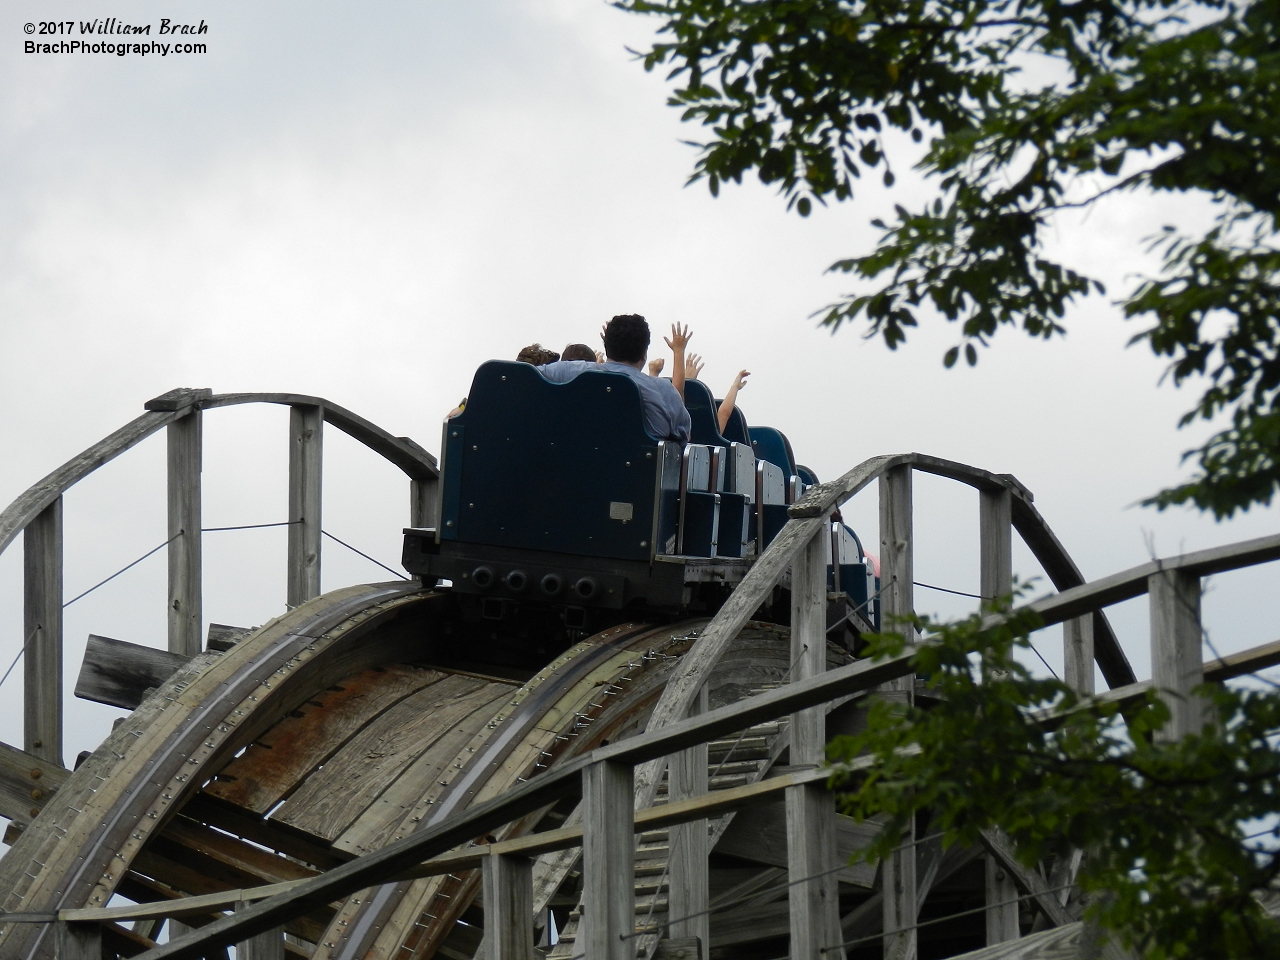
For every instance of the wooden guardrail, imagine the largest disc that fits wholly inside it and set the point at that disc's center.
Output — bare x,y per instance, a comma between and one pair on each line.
37,513
616,780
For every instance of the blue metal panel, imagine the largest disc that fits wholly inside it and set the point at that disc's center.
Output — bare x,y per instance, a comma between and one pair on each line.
560,467
770,444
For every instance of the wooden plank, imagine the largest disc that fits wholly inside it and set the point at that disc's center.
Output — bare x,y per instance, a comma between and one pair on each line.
42,634
277,761
274,836
508,908
268,945
1177,666
696,665
897,600
996,546
897,563
19,514
1001,849
424,503
392,811
402,451
1002,906
184,466
1060,943
264,865
809,642
608,851
679,948
27,782
119,673
689,891
78,941
332,797
995,540
223,637
1078,653
759,834
813,891
306,463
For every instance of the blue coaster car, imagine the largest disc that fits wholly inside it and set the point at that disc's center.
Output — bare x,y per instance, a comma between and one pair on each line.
555,493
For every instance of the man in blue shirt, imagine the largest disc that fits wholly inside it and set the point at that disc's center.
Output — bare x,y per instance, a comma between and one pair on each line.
626,348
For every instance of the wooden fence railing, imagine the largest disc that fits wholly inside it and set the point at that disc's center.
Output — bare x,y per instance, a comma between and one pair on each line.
37,513
617,782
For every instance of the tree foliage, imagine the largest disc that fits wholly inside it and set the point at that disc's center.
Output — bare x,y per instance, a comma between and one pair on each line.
1170,865
1030,107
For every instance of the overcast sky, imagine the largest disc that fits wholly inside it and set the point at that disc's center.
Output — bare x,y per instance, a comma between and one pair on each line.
364,203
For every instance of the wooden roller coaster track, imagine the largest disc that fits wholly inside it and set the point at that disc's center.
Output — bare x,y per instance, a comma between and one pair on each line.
344,782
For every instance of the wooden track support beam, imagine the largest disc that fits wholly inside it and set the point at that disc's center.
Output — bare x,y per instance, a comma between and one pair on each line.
78,941
995,526
1177,666
689,889
185,436
42,634
262,946
508,906
813,891
608,862
897,600
306,461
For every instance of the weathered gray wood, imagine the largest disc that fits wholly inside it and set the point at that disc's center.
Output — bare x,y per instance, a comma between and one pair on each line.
42,633
179,400
119,673
897,575
809,642
995,537
508,905
1039,537
402,451
689,888
262,946
696,665
1002,908
279,760
814,890
184,461
424,502
608,855
306,461
759,834
901,906
40,495
1177,665
996,547
1060,943
680,948
223,637
331,798
77,941
897,564
1029,881
1078,654
26,783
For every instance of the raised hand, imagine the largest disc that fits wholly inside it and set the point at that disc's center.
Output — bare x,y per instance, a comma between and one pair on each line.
655,366
680,337
599,356
693,365
731,399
